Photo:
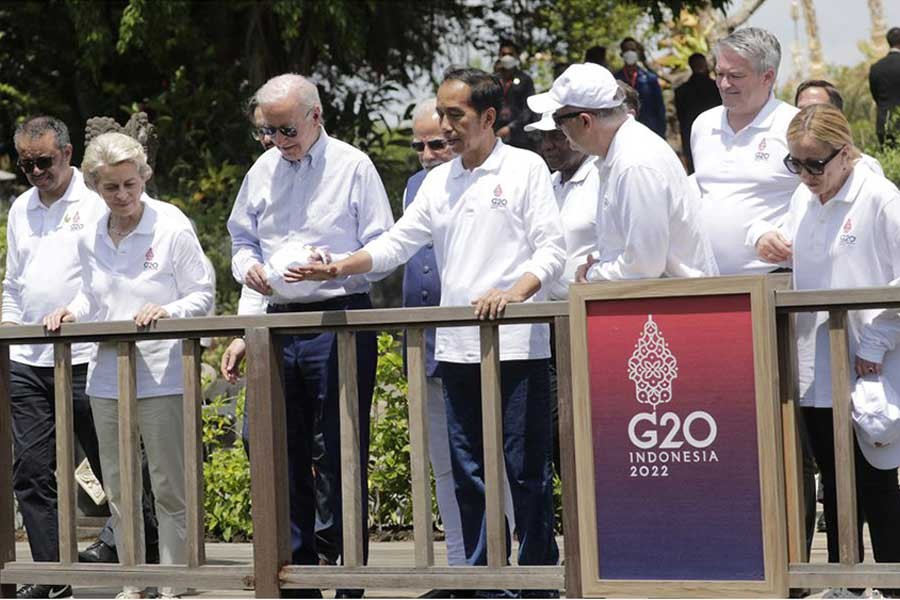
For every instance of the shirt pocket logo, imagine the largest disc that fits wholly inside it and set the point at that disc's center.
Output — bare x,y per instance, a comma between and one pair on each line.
149,263
847,239
498,201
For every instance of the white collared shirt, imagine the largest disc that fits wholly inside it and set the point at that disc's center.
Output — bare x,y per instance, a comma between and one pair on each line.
490,225
648,222
577,199
332,198
160,262
851,241
43,271
742,179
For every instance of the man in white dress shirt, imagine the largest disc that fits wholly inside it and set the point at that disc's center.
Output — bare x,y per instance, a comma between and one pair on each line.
648,215
313,190
738,149
492,218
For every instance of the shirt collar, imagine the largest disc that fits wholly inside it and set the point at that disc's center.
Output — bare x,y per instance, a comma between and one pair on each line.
580,174
148,219
34,202
491,163
850,190
315,153
614,145
763,119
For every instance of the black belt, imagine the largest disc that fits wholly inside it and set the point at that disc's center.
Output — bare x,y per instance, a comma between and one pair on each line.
337,303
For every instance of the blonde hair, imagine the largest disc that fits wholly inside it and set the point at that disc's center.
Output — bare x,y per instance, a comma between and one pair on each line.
110,149
824,123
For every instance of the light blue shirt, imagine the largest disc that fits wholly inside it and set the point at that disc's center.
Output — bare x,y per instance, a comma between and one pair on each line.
331,198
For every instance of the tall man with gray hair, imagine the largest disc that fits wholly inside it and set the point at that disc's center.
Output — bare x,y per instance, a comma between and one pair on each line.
307,199
738,150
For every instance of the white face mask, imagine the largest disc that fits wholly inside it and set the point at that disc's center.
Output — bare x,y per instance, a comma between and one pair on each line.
509,62
630,57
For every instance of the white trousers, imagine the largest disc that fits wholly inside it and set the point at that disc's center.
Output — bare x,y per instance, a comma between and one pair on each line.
445,487
160,425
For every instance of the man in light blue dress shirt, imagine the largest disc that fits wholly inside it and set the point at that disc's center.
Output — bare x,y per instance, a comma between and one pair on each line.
315,192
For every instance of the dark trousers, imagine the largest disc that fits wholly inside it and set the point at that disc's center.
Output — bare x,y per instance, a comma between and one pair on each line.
877,492
809,485
32,397
527,442
312,409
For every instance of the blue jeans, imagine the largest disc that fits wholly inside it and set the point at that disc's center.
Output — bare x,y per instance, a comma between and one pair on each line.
527,443
312,409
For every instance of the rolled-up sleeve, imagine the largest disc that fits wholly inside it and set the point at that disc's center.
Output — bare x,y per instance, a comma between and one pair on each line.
192,278
242,225
543,229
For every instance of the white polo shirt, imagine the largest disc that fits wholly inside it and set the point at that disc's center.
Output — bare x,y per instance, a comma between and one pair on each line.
851,241
332,198
648,221
42,267
160,262
577,199
490,225
742,179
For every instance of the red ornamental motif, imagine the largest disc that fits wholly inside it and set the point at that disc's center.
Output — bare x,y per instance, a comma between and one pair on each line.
847,226
149,255
762,145
76,218
498,191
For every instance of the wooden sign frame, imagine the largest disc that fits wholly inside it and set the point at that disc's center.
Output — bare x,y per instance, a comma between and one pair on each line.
769,439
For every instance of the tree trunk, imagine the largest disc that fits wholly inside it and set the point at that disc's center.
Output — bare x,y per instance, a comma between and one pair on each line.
712,20
879,43
816,62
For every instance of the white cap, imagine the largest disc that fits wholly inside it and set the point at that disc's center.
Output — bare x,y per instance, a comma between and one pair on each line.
293,254
544,124
584,85
876,415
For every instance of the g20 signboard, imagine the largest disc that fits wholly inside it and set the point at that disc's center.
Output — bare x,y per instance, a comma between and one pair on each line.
676,408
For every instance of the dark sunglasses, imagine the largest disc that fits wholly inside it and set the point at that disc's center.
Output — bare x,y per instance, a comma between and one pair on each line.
41,162
271,131
558,119
432,144
813,167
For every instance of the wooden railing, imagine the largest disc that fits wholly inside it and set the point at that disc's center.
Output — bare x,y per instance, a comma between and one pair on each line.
849,572
270,570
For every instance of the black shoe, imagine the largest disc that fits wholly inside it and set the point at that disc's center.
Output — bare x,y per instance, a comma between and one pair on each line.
34,590
99,552
820,523
439,594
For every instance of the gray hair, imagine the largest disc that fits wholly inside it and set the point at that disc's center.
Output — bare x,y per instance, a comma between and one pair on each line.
111,149
756,45
284,86
36,127
425,108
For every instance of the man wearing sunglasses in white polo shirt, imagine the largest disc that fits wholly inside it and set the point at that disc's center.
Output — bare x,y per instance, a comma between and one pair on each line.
492,217
324,198
738,147
647,213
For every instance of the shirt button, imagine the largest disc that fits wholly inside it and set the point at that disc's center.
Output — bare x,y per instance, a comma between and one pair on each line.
430,245
426,269
424,294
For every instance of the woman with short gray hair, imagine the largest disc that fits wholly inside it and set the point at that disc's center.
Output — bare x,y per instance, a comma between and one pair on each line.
142,262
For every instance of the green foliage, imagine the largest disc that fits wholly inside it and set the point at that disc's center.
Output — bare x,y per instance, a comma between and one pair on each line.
390,504
573,26
226,473
889,157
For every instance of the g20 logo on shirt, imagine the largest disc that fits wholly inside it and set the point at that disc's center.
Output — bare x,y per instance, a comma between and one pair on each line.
847,238
149,263
74,222
761,153
498,201
662,439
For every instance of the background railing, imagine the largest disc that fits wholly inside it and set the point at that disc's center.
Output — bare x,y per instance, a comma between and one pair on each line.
270,570
849,572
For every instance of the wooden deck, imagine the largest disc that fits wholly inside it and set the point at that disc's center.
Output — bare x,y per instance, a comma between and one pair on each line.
394,554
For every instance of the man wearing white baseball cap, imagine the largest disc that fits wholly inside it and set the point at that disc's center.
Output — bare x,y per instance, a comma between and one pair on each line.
648,221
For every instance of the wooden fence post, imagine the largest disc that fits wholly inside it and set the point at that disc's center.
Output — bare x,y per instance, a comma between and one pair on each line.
268,461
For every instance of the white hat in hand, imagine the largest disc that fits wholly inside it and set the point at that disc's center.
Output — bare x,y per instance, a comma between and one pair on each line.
876,416
294,254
